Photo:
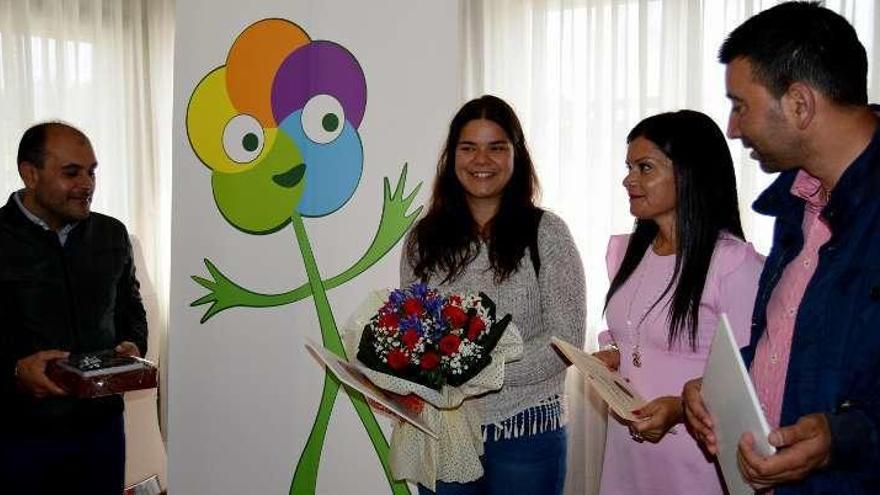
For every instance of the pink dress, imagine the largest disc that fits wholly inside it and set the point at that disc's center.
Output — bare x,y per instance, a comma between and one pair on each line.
675,465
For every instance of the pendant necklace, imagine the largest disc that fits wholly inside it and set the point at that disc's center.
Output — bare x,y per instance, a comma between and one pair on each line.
635,330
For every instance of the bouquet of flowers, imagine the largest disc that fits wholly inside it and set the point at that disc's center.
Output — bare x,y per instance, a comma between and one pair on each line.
441,349
434,340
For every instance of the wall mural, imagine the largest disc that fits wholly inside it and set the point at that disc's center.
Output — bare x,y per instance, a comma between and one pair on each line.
278,127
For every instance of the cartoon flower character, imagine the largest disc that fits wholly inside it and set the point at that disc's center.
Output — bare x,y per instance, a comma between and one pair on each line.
278,127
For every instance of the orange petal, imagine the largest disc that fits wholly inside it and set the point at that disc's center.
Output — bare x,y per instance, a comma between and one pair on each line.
253,60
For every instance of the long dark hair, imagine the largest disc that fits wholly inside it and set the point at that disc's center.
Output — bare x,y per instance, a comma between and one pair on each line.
706,205
444,241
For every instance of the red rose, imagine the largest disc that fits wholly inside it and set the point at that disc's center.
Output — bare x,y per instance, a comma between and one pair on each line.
412,402
449,344
475,326
430,360
389,320
412,307
410,339
455,316
397,359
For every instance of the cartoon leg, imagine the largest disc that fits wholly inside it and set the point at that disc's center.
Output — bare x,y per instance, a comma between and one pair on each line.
380,443
305,476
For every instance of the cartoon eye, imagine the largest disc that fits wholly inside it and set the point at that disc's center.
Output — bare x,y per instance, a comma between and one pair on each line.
243,138
323,119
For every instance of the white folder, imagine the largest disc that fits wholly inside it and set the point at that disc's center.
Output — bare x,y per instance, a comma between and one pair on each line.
731,399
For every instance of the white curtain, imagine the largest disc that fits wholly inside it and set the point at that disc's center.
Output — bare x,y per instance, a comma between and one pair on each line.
580,74
105,67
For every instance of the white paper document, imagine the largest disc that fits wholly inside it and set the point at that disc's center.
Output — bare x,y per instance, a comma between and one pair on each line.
731,399
350,374
611,386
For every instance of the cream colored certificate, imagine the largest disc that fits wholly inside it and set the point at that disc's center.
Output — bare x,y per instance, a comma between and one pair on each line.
350,375
611,386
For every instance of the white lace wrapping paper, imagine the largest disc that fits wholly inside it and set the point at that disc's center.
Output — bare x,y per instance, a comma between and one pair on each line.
455,456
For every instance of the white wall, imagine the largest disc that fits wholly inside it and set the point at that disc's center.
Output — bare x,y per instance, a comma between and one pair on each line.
242,390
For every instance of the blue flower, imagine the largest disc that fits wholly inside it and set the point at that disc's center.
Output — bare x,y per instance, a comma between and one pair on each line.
433,305
412,323
420,290
397,297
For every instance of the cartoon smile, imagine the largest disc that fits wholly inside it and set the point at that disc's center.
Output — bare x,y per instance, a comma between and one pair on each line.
291,177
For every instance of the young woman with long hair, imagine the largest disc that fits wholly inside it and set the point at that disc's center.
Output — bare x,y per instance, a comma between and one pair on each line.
484,232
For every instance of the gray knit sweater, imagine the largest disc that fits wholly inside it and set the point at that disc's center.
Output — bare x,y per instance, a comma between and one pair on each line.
553,304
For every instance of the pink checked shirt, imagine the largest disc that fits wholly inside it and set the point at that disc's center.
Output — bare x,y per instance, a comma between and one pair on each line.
770,364
771,356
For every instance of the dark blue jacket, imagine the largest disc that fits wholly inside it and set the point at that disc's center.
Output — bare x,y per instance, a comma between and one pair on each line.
835,352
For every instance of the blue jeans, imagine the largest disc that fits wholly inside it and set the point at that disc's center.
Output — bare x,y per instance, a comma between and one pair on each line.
528,465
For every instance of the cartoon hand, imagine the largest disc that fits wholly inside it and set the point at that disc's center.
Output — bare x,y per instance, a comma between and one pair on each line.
224,294
395,221
393,225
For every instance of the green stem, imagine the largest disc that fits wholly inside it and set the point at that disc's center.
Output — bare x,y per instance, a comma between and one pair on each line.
306,474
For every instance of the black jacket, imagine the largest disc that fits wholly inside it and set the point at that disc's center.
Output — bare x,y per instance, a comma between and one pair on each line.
80,297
